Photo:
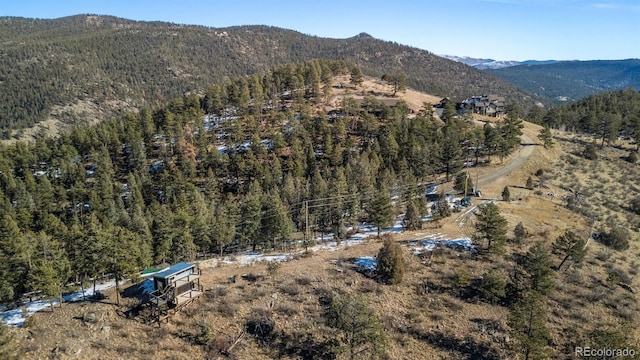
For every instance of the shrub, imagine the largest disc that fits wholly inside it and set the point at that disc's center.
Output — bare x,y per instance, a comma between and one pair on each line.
291,289
589,152
204,334
261,325
390,262
635,205
273,267
304,281
616,238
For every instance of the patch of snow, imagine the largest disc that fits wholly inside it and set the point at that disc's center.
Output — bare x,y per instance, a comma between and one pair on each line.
15,317
366,263
430,244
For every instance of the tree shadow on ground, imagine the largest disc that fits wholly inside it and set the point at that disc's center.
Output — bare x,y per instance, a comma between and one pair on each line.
467,347
305,346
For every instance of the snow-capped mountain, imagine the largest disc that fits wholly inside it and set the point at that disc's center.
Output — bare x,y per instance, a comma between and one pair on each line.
484,64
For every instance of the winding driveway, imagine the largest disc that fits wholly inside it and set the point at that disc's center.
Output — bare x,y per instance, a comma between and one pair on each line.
526,150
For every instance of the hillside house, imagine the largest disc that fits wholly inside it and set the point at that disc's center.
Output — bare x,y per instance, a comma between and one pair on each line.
490,105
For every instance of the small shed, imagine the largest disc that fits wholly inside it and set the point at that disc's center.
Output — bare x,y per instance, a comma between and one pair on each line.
176,287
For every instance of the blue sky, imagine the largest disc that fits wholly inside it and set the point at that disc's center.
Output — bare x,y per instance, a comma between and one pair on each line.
498,29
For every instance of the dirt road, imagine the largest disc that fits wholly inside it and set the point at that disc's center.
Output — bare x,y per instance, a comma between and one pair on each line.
525,151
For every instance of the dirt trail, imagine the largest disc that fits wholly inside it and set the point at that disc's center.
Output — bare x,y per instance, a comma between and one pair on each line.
525,151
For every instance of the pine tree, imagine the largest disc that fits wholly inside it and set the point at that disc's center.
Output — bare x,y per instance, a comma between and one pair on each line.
569,245
124,257
14,264
527,320
380,210
358,327
463,182
357,78
506,194
441,210
390,262
44,278
276,225
491,227
546,137
511,127
492,287
519,233
412,220
224,218
529,183
538,274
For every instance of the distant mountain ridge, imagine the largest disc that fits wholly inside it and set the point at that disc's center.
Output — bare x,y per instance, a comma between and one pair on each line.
84,68
573,80
487,64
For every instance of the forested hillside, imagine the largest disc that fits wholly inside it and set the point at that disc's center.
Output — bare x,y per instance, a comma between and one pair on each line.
84,69
607,116
222,173
573,80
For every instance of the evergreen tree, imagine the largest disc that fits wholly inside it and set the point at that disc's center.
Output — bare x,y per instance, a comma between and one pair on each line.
529,183
357,78
527,320
223,223
359,329
537,273
276,225
546,137
51,270
398,80
442,207
123,256
251,213
449,111
450,139
463,183
412,219
492,286
390,262
506,194
14,267
380,212
519,233
491,227
511,127
44,278
569,245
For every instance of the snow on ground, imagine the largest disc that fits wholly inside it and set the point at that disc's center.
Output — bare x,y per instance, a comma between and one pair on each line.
325,242
366,263
15,317
430,243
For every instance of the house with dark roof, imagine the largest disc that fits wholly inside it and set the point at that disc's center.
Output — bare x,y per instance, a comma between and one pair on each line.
490,105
